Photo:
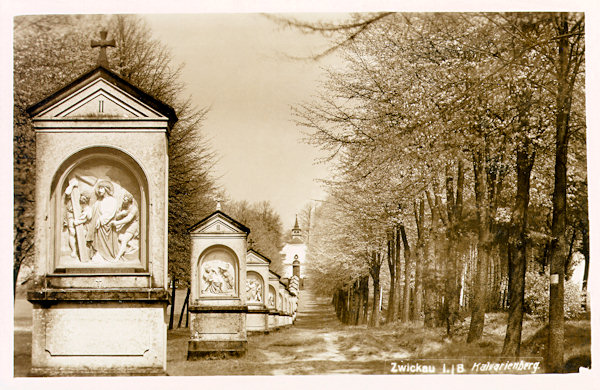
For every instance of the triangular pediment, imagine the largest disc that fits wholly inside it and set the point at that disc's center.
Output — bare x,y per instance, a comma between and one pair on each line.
254,257
218,227
101,94
100,100
218,223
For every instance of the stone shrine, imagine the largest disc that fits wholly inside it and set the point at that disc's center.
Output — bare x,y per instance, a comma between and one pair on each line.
288,307
273,300
218,305
100,275
294,288
257,282
286,312
281,304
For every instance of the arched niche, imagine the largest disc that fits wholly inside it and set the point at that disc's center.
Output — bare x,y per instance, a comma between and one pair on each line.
255,287
272,295
280,302
218,273
99,201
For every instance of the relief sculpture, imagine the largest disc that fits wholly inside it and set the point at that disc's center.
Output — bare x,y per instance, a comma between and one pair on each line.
217,278
271,299
253,289
101,220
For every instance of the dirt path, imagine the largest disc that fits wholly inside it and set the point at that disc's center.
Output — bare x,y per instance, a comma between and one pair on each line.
316,344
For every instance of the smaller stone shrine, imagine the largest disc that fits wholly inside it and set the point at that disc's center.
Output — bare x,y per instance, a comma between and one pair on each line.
218,305
281,303
257,282
288,307
273,300
294,288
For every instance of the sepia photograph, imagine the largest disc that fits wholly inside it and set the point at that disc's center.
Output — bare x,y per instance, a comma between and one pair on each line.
370,192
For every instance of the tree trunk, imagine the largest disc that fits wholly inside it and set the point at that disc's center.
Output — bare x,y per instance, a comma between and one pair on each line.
556,318
570,254
16,267
457,223
418,298
407,269
517,249
585,250
451,221
334,299
479,301
344,306
433,304
364,299
399,274
429,291
374,270
336,304
351,306
356,302
391,307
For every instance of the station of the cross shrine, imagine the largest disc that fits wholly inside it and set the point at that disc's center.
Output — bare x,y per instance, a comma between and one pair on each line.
100,273
219,300
257,283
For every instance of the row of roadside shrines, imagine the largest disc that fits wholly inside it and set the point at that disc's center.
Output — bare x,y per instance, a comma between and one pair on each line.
99,288
220,318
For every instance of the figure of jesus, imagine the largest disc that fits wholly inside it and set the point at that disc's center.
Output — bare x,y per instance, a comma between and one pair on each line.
104,239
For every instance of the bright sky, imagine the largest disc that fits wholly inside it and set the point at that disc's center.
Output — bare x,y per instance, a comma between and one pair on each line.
239,66
236,64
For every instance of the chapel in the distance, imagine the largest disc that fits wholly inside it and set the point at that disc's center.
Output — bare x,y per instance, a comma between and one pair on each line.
294,253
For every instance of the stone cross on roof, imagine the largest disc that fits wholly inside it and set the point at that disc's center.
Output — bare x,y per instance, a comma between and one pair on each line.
103,43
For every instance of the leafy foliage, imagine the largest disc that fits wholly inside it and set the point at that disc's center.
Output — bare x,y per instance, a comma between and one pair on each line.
536,296
266,231
51,51
420,95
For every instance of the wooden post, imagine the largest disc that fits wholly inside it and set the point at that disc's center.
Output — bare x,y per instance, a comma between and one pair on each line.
187,310
185,304
172,307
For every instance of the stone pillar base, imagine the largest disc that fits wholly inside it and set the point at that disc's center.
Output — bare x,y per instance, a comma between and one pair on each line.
198,349
257,321
56,372
257,332
94,332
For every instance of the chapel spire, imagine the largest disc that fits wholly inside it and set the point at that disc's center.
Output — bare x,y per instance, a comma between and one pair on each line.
296,231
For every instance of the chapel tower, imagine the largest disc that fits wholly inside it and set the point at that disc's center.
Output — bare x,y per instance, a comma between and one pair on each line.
294,255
